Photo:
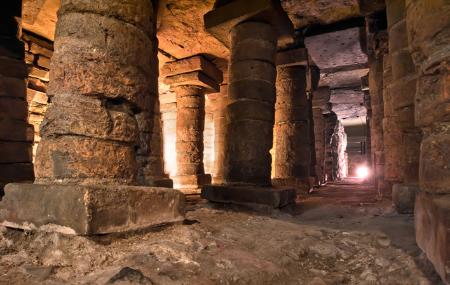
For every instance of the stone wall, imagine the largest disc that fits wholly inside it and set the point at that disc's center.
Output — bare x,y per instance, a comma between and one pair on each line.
38,52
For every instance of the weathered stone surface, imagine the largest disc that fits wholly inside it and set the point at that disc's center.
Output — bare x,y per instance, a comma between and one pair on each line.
432,100
222,19
77,159
87,116
88,210
428,32
195,63
432,223
307,12
435,160
195,78
249,195
404,197
80,39
10,67
336,49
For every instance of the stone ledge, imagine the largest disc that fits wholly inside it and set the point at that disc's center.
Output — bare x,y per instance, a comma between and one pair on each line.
249,195
432,223
89,210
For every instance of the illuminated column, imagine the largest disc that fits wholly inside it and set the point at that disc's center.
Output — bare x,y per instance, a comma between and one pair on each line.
292,126
252,34
190,79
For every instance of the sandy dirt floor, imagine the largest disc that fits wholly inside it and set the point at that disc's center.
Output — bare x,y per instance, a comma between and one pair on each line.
340,234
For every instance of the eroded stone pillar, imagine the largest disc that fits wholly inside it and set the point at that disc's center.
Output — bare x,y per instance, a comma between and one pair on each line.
16,135
403,89
219,134
428,25
252,34
102,72
190,79
292,127
320,101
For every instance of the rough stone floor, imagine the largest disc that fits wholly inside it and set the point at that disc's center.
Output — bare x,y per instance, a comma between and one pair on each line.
339,235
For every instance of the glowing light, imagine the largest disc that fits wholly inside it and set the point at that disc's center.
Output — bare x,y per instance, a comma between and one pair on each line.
362,172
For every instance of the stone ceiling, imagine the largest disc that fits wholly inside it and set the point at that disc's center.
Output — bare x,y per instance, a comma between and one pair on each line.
306,12
181,34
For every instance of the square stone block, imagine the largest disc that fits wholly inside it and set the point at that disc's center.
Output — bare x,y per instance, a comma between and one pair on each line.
249,195
195,78
219,21
195,63
191,184
432,221
89,210
302,185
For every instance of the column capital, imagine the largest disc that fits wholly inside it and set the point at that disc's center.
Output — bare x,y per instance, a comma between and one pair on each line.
219,21
194,71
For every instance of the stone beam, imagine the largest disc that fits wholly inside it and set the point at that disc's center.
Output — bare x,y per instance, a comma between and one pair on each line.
292,57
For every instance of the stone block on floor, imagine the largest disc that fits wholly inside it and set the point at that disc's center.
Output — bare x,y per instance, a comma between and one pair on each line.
249,195
89,210
432,223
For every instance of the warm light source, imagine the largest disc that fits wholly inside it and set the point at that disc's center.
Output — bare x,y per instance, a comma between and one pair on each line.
362,171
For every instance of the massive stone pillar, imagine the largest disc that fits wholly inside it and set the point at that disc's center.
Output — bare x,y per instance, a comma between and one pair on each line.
428,24
320,105
219,134
16,135
102,72
403,88
292,125
312,85
377,115
252,37
190,79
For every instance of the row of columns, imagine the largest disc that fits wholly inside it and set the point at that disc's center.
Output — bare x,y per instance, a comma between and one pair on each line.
413,74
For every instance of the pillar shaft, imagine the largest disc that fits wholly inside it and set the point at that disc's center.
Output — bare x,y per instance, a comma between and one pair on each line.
249,131
219,134
16,135
190,126
89,132
292,133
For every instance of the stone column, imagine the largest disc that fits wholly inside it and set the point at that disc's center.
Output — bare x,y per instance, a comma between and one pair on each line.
190,79
102,72
320,101
377,115
403,89
252,34
291,131
219,134
428,25
391,132
16,135
313,84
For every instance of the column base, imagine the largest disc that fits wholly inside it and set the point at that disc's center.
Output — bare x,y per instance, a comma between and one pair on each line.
432,223
191,184
89,210
162,181
302,185
249,195
403,197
